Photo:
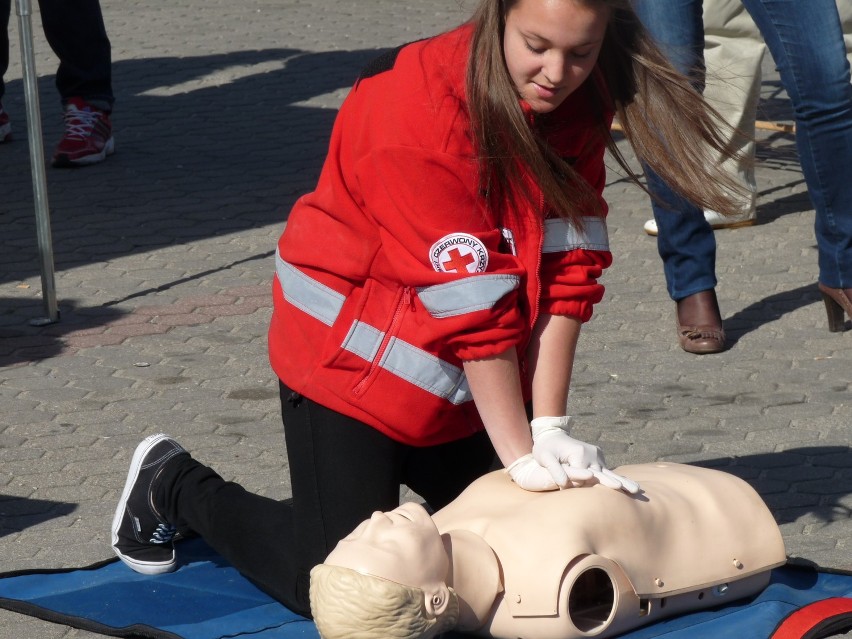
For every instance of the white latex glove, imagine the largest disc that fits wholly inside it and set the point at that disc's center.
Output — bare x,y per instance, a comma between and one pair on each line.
530,474
563,455
527,473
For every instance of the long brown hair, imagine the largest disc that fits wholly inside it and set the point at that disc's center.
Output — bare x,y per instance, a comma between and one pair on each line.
668,123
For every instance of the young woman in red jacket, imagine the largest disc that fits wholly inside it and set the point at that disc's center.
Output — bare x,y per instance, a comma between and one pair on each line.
430,291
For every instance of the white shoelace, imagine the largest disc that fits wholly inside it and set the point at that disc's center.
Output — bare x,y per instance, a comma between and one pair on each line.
79,123
163,534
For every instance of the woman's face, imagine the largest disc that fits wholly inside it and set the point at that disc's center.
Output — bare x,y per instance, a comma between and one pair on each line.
551,47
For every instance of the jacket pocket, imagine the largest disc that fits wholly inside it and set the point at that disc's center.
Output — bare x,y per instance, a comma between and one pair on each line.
371,342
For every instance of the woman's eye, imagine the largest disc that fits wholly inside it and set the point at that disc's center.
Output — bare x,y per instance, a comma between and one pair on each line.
533,49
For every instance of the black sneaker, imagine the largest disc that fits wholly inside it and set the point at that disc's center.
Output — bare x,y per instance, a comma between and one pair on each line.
141,537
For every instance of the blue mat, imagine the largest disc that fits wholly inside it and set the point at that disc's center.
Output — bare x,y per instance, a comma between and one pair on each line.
205,598
208,599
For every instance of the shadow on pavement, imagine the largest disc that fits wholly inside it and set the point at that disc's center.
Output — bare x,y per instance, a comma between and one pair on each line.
769,309
226,145
812,480
22,343
17,513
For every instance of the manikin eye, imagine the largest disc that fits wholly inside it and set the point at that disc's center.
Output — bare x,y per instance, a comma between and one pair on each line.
401,514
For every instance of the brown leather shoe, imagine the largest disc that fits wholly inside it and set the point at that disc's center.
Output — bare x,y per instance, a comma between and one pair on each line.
838,301
699,323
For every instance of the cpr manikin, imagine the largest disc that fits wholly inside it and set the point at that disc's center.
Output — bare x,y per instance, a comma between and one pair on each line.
504,562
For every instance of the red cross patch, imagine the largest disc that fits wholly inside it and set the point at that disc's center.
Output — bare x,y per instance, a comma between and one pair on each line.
459,253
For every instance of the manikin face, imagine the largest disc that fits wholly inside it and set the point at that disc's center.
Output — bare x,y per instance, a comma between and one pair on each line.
551,47
402,545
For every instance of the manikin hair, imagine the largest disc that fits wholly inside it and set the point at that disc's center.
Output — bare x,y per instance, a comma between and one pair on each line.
664,117
347,604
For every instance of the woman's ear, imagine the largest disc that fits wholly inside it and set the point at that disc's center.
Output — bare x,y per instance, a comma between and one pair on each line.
436,600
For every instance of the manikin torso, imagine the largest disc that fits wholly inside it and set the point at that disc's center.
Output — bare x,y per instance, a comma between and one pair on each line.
598,561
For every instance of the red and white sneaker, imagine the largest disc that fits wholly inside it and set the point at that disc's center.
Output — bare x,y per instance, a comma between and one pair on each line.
87,138
5,126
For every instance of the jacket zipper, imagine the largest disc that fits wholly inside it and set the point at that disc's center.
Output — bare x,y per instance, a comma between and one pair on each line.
399,311
540,221
522,355
541,227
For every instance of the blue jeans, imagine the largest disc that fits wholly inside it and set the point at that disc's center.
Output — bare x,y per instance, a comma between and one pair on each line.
806,42
76,33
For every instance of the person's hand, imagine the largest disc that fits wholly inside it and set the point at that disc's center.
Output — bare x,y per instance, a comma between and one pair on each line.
613,480
563,456
527,473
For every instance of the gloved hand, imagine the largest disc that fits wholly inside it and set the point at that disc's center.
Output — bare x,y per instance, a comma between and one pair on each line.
527,473
563,455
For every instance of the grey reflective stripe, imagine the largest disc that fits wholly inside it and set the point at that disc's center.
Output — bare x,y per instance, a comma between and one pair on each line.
473,293
363,340
413,364
426,371
422,369
560,235
303,292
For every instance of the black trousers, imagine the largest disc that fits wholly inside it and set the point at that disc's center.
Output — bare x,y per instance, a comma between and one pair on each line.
76,33
341,471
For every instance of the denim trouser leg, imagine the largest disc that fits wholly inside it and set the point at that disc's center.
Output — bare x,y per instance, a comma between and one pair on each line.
678,27
806,42
685,240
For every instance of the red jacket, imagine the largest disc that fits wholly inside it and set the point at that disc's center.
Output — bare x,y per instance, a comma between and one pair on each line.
393,272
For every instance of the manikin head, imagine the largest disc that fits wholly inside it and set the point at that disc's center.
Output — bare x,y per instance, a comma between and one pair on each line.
386,579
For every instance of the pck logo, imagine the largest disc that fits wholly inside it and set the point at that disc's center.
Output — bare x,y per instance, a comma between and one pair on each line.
459,253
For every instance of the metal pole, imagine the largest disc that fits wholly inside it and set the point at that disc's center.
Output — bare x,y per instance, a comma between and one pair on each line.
42,211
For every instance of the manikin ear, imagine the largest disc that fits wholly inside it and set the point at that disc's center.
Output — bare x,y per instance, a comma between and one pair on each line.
437,600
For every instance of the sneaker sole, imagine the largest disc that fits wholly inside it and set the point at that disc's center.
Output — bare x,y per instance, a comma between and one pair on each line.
147,567
96,158
718,227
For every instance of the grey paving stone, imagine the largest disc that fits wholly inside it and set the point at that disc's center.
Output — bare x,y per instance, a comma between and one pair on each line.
173,222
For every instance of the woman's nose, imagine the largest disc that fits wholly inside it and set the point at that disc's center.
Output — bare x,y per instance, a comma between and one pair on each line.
554,70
